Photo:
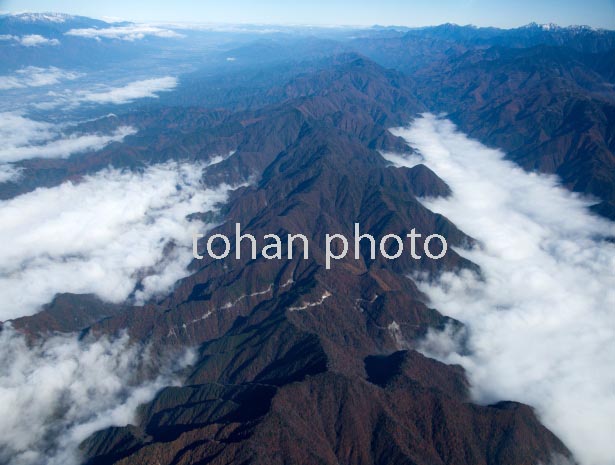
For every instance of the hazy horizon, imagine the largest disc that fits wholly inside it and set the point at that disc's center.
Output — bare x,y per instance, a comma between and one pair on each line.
600,14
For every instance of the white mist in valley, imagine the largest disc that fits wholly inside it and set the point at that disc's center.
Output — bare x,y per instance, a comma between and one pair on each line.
110,233
114,233
118,234
22,138
56,393
541,317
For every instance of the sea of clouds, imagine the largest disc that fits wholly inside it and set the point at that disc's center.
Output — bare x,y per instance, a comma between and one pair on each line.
103,235
122,235
55,393
541,317
118,234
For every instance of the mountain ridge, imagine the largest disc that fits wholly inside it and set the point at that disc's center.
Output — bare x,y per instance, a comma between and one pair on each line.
296,363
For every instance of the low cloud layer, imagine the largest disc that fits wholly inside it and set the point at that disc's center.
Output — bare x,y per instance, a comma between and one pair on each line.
22,138
32,40
103,235
147,88
130,33
33,76
541,322
56,393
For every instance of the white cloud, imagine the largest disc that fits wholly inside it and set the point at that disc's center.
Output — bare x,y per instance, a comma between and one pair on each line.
22,138
17,131
9,173
237,28
32,40
56,393
129,33
63,148
33,76
541,321
147,88
103,235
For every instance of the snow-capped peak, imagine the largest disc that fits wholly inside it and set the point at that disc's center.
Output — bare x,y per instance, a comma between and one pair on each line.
549,27
28,17
555,27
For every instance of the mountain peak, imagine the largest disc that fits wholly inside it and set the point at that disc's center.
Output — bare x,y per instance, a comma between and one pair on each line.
48,17
551,27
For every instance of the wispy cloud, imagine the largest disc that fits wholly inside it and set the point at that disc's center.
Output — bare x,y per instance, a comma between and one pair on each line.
9,173
541,319
22,138
236,28
130,33
103,235
56,393
31,40
145,88
33,76
17,131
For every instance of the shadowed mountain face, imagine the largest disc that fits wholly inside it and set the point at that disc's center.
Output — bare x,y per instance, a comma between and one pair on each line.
299,364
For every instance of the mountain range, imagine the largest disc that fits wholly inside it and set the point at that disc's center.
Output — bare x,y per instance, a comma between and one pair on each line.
295,363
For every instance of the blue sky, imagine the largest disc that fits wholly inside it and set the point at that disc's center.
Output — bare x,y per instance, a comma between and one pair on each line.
599,13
